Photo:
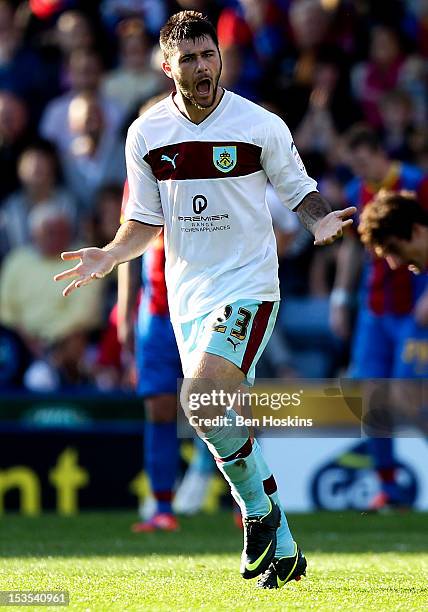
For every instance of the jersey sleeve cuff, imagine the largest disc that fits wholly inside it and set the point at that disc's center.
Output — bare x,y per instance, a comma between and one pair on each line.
145,218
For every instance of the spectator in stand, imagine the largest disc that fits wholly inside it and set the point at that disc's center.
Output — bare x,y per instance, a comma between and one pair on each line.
251,35
95,155
21,69
85,73
133,81
398,126
14,136
380,74
210,8
30,303
413,80
103,221
153,12
312,27
310,23
73,31
65,366
312,76
38,169
316,132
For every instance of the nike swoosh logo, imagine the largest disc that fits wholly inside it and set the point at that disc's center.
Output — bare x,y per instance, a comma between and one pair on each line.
280,582
252,566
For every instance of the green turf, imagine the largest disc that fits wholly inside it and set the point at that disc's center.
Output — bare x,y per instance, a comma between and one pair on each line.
356,562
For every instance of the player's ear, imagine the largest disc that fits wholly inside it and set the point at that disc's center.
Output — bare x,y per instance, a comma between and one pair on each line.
166,67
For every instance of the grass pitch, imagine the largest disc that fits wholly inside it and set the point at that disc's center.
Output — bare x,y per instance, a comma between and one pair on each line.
355,562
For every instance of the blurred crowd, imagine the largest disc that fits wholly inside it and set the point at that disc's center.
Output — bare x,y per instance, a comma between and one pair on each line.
73,76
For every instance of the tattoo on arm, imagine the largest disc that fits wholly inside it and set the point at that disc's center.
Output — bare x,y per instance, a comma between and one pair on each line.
311,209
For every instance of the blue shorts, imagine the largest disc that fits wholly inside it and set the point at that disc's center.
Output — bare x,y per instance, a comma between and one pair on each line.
238,332
389,346
157,359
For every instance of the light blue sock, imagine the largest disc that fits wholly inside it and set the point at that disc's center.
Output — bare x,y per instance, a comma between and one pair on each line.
241,472
246,484
284,539
225,440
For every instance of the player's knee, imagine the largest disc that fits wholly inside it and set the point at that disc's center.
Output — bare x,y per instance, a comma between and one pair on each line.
201,397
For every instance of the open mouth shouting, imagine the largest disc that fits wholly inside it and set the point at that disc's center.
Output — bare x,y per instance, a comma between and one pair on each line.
204,90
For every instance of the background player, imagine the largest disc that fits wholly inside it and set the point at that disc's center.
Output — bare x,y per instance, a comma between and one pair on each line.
395,226
388,298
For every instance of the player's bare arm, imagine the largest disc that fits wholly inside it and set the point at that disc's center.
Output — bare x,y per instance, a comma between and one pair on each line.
348,269
131,240
326,225
128,286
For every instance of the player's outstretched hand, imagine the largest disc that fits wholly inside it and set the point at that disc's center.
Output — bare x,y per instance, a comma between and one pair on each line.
92,263
330,227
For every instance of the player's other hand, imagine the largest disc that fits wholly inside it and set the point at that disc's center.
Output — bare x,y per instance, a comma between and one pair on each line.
330,227
92,263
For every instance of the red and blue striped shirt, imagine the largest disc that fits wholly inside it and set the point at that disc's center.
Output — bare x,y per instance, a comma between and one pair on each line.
389,291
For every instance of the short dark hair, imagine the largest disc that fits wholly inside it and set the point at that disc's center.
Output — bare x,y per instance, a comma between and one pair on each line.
185,25
362,135
391,214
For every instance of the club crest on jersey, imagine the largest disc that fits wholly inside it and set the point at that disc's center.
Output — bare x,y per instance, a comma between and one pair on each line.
225,158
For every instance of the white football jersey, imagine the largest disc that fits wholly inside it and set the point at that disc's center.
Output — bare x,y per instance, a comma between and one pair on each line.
206,184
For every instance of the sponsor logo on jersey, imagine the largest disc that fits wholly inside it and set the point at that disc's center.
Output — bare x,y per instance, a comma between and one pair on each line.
199,204
202,218
168,159
225,158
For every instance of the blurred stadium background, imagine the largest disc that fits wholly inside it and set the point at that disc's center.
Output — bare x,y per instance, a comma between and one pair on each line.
73,76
